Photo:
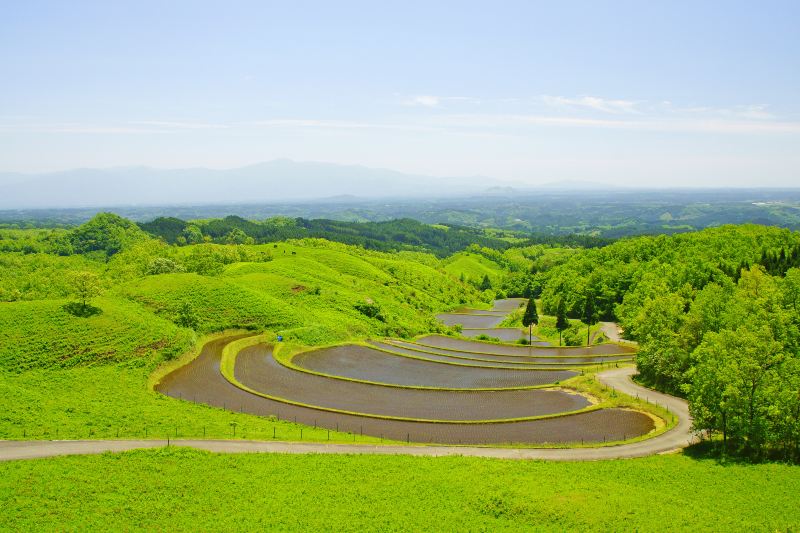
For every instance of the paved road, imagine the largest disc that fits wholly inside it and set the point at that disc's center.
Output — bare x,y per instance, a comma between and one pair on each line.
676,438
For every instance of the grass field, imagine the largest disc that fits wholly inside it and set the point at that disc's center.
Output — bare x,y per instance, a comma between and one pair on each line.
186,490
473,267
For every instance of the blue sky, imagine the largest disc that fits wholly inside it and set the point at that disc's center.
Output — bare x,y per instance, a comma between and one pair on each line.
631,93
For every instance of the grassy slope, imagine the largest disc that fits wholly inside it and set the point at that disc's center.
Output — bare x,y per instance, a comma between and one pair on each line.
41,334
185,490
474,267
84,377
38,276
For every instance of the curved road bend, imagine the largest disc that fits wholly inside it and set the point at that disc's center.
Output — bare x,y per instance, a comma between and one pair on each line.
678,437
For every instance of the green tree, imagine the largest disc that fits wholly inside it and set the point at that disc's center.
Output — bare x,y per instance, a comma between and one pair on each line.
662,358
187,318
562,324
164,265
107,233
85,286
589,314
731,383
791,289
530,318
236,236
486,283
192,234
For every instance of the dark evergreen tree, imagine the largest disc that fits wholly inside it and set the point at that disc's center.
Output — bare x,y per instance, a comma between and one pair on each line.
589,314
561,320
530,318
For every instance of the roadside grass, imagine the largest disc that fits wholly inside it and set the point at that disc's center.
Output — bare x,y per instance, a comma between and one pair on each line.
180,489
107,402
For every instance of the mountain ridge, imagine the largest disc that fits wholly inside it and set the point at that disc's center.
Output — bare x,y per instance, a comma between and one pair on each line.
276,180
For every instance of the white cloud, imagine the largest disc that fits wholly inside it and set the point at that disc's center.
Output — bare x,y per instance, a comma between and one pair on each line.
592,102
747,112
179,124
424,100
429,100
636,122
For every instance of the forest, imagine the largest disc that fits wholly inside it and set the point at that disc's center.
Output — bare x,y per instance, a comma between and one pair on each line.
716,317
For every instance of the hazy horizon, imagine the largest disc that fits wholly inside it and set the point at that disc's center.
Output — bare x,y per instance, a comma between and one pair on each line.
526,93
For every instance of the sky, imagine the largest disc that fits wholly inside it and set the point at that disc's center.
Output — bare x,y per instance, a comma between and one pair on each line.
654,93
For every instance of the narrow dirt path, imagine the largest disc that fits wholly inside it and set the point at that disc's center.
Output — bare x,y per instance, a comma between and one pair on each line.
620,379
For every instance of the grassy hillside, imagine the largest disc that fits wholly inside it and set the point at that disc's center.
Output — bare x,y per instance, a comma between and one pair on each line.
474,267
39,276
43,334
185,490
84,372
216,302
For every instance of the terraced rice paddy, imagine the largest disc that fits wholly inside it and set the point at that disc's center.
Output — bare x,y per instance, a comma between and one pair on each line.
437,389
201,381
454,344
504,334
363,363
461,356
257,369
482,319
471,320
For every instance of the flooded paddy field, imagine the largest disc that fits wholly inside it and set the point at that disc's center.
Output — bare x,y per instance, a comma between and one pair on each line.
257,369
360,362
534,359
452,343
503,334
201,381
469,320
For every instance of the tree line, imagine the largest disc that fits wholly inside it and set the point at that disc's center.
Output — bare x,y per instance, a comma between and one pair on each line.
717,317
390,235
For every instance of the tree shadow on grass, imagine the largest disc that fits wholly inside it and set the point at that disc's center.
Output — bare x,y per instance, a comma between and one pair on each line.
711,450
80,310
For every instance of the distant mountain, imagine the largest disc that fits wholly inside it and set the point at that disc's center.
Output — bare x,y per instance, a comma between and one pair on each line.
272,181
572,185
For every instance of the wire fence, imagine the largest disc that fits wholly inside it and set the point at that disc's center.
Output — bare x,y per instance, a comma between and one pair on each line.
233,430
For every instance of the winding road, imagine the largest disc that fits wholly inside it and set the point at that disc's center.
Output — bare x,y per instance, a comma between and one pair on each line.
620,379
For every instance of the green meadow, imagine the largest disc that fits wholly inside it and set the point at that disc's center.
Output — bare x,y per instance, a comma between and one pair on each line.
187,490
